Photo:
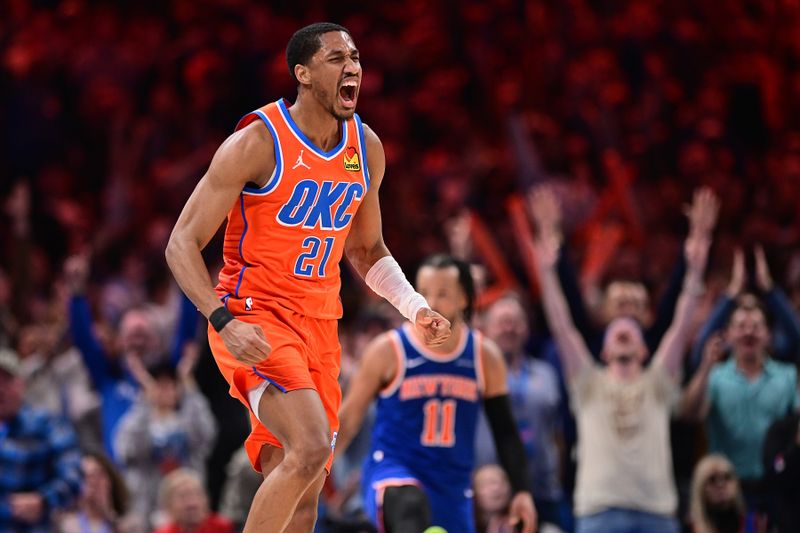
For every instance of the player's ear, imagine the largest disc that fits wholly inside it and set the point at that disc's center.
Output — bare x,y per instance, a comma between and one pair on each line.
303,74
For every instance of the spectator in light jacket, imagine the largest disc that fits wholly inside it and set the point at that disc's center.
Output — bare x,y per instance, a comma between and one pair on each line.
170,426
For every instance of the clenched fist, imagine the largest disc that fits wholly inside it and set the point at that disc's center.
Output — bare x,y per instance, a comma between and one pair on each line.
246,342
432,327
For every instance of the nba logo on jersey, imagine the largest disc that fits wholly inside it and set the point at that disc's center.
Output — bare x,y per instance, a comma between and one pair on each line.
248,303
351,161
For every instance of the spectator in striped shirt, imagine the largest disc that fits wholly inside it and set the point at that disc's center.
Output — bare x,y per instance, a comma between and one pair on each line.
39,458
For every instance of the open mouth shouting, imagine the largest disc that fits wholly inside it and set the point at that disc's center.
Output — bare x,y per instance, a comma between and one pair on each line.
348,93
749,341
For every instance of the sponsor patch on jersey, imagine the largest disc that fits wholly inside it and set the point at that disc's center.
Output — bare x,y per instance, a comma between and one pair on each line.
351,161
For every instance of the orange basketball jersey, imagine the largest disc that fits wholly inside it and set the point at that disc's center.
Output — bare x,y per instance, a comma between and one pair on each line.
284,241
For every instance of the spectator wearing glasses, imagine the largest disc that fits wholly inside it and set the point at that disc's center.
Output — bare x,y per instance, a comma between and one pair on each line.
717,505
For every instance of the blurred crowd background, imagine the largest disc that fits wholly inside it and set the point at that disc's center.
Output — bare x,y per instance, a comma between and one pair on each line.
111,111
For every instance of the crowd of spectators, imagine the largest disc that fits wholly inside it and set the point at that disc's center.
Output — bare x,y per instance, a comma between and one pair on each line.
110,112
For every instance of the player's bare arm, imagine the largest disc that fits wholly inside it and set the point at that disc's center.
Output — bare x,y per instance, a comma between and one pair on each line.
506,436
495,371
246,156
365,246
377,369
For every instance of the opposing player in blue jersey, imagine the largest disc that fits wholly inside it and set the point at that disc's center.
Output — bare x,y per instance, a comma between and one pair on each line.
419,469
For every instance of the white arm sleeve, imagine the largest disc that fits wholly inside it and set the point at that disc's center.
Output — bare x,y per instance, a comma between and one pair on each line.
387,280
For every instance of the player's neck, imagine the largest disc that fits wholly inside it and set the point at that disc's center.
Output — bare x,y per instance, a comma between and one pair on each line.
322,128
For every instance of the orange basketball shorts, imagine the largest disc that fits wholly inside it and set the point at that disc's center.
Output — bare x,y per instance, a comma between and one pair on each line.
305,355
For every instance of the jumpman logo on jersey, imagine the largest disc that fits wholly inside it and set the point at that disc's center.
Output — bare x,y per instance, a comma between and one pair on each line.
300,162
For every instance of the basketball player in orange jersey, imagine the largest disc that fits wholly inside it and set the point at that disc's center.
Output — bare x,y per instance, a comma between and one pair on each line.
299,185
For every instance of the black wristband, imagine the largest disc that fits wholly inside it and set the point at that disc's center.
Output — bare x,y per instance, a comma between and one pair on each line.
220,317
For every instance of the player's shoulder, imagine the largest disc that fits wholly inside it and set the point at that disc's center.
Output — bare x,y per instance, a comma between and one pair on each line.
486,344
373,143
490,352
376,158
383,342
248,153
495,370
381,356
370,137
251,139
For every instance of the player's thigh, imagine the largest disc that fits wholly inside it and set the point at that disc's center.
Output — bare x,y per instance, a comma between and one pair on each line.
286,368
296,418
324,365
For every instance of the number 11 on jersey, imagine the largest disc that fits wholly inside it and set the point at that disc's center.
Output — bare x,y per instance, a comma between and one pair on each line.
438,428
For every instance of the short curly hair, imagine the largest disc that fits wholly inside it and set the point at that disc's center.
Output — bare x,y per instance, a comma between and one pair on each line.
306,42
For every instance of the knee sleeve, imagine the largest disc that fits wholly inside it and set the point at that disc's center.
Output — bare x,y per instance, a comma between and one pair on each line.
405,510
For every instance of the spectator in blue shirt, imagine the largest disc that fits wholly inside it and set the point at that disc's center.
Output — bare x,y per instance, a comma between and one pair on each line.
741,397
138,337
39,458
785,338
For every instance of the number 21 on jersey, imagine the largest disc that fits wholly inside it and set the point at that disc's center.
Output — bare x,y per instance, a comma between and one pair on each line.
438,427
314,259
